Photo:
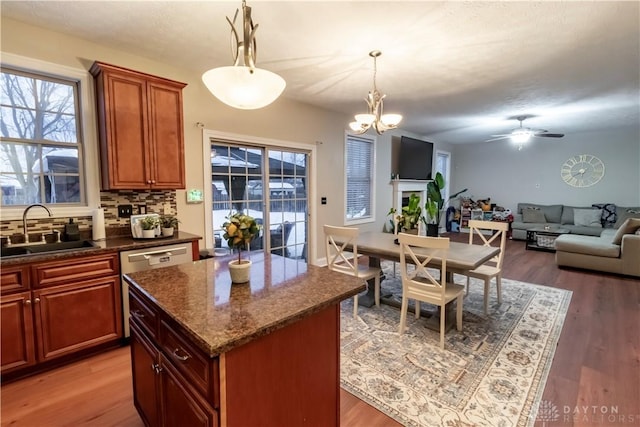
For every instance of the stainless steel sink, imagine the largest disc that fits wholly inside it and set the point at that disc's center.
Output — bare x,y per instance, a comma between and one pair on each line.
7,251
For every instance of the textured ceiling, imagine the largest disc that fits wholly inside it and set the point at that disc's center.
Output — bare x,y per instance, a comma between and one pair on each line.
458,71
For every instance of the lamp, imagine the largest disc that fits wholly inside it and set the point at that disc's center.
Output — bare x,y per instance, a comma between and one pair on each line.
375,117
242,85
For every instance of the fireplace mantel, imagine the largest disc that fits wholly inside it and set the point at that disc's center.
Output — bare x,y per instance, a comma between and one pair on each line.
406,187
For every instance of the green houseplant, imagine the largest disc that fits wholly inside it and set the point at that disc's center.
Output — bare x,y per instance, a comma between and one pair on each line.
434,204
169,224
239,230
149,225
410,215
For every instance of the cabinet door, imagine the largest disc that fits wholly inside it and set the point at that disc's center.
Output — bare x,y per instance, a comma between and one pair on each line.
124,132
77,316
166,136
17,331
145,368
180,404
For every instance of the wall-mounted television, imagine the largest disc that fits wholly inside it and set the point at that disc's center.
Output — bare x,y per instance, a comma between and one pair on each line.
415,159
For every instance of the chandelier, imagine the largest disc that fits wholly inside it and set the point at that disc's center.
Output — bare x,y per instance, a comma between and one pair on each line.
375,117
243,85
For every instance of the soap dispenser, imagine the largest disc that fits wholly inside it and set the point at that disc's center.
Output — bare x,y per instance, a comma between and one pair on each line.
71,230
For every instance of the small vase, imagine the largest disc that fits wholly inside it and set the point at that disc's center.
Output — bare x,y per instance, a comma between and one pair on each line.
240,272
149,234
167,231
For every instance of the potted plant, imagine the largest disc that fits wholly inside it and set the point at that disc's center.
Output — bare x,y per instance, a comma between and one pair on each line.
149,225
239,230
434,204
409,217
169,224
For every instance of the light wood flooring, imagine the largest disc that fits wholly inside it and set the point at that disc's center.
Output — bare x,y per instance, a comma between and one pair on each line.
596,366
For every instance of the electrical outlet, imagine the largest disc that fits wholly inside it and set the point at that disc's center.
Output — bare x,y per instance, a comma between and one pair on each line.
125,211
167,208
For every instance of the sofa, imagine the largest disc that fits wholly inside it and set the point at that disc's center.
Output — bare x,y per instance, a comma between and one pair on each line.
614,251
530,215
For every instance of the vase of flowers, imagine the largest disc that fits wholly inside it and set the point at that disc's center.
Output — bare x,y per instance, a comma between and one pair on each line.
239,230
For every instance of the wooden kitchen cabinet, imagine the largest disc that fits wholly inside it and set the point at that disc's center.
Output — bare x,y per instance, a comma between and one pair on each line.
141,129
162,396
18,346
67,308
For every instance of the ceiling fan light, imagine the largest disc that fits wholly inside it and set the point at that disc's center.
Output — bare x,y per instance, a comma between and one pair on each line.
391,119
365,119
243,88
521,136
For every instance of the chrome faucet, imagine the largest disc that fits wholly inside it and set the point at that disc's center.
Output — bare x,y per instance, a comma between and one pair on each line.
24,219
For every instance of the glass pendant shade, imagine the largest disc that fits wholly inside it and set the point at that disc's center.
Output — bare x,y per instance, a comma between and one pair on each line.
391,119
239,87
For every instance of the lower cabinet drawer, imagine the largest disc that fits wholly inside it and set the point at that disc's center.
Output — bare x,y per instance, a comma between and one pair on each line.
143,312
201,370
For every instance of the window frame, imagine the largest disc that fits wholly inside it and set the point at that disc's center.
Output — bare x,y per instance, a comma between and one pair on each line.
89,169
372,173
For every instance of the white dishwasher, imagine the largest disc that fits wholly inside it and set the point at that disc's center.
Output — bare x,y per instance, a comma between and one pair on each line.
146,259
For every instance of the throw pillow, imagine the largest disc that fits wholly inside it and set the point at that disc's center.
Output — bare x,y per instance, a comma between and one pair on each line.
630,226
533,215
624,214
608,213
587,217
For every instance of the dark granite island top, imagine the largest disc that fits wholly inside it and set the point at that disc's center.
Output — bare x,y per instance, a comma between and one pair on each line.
220,316
205,352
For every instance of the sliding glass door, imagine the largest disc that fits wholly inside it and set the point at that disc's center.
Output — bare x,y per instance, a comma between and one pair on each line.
269,184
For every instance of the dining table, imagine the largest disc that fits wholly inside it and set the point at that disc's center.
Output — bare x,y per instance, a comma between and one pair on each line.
379,246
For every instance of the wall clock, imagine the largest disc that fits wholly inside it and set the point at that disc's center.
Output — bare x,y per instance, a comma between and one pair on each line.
583,170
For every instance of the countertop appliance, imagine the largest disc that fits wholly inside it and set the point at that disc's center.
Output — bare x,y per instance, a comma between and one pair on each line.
148,258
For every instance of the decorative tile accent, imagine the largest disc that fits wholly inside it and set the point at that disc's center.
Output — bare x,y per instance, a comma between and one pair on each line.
109,200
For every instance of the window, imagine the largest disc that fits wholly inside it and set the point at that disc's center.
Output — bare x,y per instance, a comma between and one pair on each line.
443,165
41,151
359,179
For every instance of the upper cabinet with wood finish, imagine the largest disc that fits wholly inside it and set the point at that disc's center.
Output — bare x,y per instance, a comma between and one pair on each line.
141,129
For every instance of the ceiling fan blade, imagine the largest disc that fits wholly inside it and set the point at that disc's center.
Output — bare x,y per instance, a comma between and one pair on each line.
549,135
498,137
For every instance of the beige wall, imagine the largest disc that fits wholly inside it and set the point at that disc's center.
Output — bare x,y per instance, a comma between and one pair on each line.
283,120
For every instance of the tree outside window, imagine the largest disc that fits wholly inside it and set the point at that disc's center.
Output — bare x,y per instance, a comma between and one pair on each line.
41,150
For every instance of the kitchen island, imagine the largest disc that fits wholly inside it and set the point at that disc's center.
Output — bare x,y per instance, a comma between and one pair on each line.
265,353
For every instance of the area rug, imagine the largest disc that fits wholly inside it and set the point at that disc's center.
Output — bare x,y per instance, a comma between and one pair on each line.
492,373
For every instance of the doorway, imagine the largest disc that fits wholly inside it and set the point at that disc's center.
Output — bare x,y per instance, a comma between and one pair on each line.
267,182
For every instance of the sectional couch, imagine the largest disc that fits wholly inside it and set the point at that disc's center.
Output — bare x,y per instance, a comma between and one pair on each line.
612,247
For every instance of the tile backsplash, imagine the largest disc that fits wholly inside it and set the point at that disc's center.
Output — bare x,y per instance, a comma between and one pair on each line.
153,201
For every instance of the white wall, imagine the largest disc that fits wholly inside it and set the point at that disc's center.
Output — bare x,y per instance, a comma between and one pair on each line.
498,170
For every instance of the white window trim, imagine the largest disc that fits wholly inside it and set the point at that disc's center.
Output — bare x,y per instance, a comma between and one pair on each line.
372,218
208,135
89,136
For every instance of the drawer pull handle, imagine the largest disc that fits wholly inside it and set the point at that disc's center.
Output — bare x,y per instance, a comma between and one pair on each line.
180,358
137,313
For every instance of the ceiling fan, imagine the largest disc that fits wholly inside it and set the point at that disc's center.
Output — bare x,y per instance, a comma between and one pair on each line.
522,135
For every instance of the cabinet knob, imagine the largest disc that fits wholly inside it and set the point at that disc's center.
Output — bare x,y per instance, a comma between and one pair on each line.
156,368
37,300
180,358
27,302
148,181
153,181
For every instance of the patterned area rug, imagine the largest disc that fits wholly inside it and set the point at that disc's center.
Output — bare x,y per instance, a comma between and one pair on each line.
492,373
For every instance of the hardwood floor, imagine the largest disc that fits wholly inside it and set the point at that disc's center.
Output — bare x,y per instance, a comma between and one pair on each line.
594,379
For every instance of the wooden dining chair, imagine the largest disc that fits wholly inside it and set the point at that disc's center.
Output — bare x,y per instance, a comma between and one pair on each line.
339,259
421,285
492,268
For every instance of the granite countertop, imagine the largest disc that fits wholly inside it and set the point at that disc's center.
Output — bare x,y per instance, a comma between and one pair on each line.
220,316
112,244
